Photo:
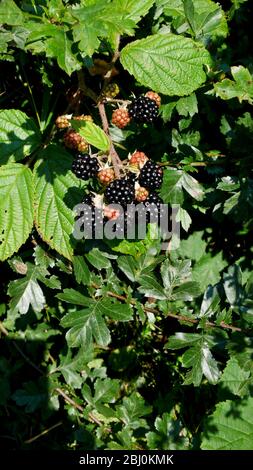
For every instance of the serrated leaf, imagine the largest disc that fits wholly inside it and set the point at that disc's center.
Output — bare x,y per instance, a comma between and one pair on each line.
210,302
128,266
230,427
182,340
207,270
132,409
232,281
167,63
234,377
135,9
10,13
92,133
16,210
168,434
54,217
31,396
184,218
81,270
199,358
72,296
70,368
241,87
19,135
55,42
98,259
85,325
150,287
192,186
27,292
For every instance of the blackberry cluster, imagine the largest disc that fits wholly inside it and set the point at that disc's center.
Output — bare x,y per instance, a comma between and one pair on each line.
120,191
85,167
143,109
151,176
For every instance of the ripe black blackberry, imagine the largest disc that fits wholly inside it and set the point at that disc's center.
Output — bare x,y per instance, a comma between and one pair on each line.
120,191
90,218
143,109
151,176
85,167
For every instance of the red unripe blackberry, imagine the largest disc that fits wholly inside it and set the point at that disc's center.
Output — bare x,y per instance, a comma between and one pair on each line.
138,159
62,122
120,191
151,176
85,167
120,117
106,175
141,194
75,141
83,117
155,97
143,109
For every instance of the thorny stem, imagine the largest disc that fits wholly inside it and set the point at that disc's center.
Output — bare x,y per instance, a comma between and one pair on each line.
172,315
117,164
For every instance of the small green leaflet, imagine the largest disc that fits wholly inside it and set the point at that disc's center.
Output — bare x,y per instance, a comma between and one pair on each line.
167,63
168,434
92,133
89,323
241,87
174,181
32,396
26,292
81,270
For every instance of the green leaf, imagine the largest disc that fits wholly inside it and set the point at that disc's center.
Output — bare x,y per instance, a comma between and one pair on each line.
230,427
167,63
232,285
192,186
193,247
81,270
54,217
16,210
182,340
132,409
207,270
117,311
210,302
98,259
55,42
187,106
184,218
234,377
150,287
27,292
19,135
168,434
32,396
70,367
201,362
128,266
92,133
135,9
241,87
174,181
10,14
72,296
106,391
85,325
